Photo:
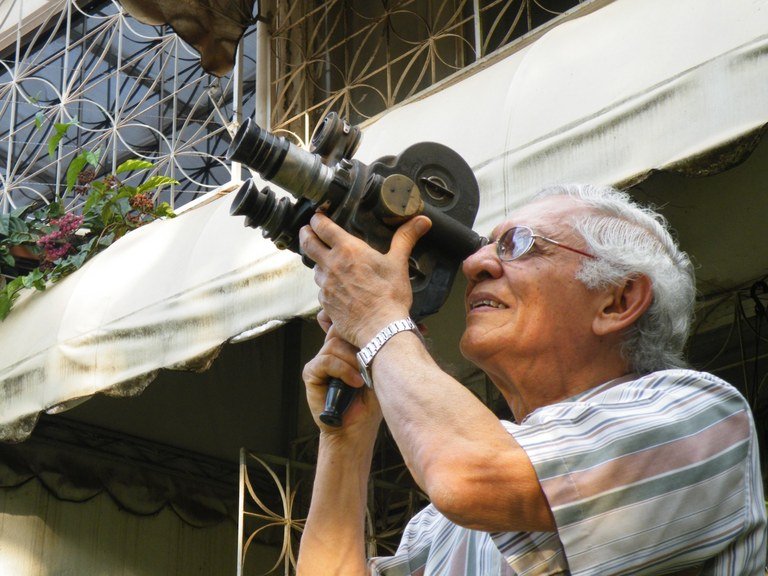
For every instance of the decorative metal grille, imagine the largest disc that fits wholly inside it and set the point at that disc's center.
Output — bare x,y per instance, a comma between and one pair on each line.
127,89
275,495
274,501
360,58
271,515
131,90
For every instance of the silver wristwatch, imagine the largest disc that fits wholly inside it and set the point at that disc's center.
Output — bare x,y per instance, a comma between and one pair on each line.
367,352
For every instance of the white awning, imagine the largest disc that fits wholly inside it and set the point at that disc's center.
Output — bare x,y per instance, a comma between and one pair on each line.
629,88
168,295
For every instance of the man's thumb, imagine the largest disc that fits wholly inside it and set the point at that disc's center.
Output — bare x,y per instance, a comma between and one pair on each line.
408,234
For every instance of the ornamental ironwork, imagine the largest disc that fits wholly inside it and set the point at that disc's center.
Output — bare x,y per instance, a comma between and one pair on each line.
89,77
93,78
359,58
275,496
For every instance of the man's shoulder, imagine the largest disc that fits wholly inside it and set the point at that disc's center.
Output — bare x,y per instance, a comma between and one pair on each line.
676,392
681,377
664,391
680,384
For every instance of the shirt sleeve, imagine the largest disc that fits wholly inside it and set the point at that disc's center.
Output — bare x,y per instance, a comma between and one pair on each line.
432,544
657,473
412,553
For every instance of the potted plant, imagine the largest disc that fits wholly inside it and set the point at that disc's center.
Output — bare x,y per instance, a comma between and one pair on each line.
41,245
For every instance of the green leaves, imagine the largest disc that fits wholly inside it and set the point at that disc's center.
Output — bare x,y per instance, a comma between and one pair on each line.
66,235
111,209
35,279
133,166
164,210
8,295
11,291
15,229
155,182
60,130
6,257
79,162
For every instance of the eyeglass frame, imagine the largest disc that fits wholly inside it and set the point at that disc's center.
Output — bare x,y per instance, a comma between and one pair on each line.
533,236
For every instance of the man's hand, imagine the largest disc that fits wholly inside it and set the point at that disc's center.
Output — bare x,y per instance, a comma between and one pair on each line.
336,359
361,289
333,542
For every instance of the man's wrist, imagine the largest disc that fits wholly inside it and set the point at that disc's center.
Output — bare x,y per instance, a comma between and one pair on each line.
376,324
367,352
353,447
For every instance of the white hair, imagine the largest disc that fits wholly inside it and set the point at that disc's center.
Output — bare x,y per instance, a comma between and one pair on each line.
629,240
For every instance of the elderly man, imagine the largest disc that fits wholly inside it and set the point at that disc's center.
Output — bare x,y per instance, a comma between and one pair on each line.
619,461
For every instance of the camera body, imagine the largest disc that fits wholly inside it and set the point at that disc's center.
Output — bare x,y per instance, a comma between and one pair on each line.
369,201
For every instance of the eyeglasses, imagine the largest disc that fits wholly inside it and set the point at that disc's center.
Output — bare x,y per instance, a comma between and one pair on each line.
518,240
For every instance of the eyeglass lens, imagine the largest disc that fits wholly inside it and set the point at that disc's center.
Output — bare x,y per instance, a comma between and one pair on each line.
514,243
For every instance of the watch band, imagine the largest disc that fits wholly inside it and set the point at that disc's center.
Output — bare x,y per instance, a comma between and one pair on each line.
367,352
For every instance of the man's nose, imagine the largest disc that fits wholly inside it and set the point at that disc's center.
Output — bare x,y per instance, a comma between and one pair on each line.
482,264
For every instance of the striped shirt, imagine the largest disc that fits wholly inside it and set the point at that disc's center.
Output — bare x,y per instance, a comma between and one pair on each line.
644,476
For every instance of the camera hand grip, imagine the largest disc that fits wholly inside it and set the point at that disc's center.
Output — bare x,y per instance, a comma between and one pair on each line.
337,400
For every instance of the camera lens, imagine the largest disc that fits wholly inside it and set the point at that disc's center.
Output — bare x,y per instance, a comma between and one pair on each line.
279,218
296,171
258,149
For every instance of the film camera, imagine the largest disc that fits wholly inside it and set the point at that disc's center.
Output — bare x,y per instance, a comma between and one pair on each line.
369,201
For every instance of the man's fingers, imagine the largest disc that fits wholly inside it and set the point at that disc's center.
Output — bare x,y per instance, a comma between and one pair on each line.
326,229
329,233
311,245
324,320
320,369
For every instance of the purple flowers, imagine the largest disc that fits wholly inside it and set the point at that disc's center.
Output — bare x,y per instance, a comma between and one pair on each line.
56,244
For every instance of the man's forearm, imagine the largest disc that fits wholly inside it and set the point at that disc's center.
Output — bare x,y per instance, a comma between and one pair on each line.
457,451
333,541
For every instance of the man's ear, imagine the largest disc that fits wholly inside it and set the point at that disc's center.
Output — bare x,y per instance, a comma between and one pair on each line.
623,305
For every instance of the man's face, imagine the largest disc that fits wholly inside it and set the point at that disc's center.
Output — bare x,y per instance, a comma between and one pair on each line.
530,310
